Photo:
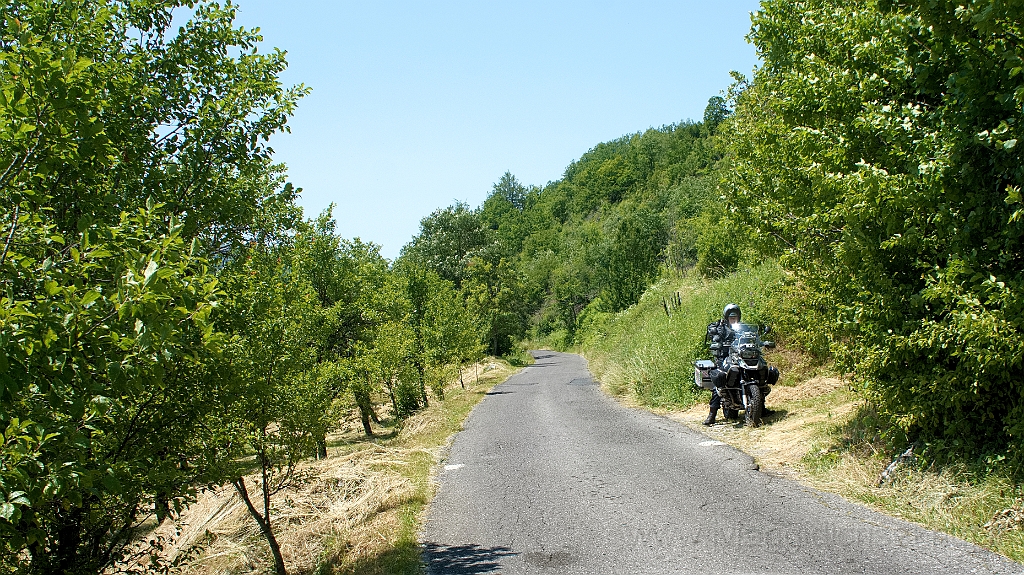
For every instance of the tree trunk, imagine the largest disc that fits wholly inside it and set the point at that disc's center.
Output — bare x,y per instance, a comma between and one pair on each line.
321,447
394,402
423,384
162,506
365,418
369,404
263,522
365,409
67,555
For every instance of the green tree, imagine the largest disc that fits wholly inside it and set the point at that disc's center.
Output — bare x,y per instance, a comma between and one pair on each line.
275,319
447,239
105,381
497,294
450,334
129,157
633,258
877,145
716,111
387,362
347,277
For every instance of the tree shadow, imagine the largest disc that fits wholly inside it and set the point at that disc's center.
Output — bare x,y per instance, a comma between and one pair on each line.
776,414
463,559
739,420
402,559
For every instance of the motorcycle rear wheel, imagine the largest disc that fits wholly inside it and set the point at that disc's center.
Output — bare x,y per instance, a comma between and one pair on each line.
755,404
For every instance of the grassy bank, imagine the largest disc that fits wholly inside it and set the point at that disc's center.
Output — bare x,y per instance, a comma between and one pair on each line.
357,511
821,433
647,351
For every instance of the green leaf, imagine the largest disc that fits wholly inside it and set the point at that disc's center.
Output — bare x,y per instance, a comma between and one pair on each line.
51,287
148,274
89,297
1009,144
111,484
1012,195
9,512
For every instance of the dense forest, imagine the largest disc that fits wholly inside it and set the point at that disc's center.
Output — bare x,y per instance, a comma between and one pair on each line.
538,259
169,319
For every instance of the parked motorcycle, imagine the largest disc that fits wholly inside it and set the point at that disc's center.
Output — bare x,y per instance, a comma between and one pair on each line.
747,380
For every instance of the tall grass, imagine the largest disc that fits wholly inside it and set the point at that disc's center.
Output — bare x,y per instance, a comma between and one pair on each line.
649,352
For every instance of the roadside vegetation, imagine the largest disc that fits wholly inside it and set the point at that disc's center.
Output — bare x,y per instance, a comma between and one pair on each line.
355,511
169,319
171,322
821,432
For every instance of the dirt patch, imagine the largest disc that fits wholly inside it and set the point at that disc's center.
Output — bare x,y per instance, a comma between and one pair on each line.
788,433
804,390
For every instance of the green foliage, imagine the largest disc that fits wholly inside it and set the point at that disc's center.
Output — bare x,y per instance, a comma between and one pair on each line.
130,158
633,258
167,320
717,244
649,354
106,335
496,294
276,320
877,148
716,111
448,238
533,259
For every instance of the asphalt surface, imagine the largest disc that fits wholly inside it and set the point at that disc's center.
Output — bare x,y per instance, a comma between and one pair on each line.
552,476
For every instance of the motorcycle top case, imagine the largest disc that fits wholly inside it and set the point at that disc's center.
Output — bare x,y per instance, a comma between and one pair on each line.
702,373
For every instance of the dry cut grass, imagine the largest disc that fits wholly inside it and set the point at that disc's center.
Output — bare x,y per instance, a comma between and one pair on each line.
357,511
822,434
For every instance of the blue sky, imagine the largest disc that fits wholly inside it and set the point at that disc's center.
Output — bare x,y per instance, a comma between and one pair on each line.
416,105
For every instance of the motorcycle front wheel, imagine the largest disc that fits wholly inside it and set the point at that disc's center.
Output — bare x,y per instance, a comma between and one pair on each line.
755,404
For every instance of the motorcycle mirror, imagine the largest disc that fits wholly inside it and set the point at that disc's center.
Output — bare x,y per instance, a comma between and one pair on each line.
767,329
769,344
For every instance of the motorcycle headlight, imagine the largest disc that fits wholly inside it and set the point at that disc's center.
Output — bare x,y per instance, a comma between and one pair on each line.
748,353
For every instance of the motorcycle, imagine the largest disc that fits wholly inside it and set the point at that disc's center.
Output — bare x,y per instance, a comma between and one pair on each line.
748,377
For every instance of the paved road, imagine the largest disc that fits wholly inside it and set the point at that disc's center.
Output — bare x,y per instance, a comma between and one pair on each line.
552,476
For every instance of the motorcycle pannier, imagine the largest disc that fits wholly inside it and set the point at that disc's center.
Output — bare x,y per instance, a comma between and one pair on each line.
702,373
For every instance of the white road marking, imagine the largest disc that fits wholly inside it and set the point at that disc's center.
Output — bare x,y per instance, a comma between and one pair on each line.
454,467
711,443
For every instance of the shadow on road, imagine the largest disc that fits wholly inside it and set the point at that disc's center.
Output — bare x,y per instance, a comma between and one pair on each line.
463,559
